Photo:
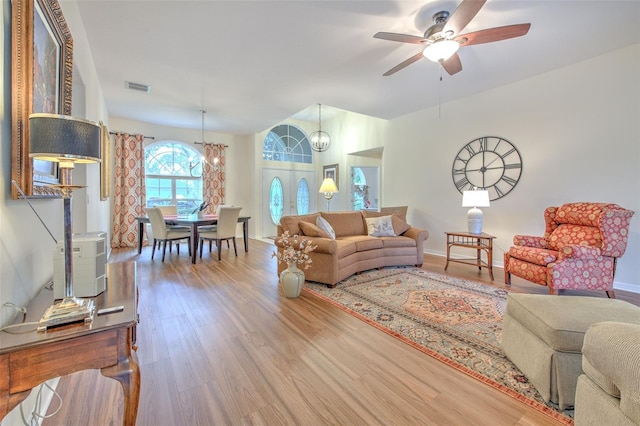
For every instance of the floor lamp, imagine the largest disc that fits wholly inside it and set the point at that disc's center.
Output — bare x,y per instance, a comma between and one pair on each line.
329,188
66,141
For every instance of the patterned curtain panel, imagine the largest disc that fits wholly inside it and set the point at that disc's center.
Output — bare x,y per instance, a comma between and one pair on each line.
129,189
213,176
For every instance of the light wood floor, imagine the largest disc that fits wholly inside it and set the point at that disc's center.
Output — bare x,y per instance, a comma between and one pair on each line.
219,344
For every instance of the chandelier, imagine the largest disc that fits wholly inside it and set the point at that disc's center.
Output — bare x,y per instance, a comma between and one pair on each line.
320,141
216,160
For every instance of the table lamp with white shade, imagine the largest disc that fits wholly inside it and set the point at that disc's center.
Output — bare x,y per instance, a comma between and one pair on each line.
65,140
328,188
474,199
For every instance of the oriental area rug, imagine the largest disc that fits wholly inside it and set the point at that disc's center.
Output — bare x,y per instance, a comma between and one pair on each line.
456,321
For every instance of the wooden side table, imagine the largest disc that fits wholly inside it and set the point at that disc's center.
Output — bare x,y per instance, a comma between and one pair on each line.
479,242
107,344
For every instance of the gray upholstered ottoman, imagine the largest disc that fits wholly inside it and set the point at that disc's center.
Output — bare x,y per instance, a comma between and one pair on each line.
542,335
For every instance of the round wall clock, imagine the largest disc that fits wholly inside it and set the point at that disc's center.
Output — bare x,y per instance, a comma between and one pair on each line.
490,163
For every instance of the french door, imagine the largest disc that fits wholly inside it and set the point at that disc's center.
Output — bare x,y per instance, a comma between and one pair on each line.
284,193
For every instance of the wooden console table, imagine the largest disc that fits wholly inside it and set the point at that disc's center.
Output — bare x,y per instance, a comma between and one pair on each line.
479,242
106,343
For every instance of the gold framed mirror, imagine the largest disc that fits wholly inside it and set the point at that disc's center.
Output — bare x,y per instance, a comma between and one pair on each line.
41,77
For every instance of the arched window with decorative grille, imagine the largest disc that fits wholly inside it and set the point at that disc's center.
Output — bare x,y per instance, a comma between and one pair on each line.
287,143
173,175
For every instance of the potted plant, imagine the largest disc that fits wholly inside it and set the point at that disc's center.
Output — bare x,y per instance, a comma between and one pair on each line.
293,251
201,208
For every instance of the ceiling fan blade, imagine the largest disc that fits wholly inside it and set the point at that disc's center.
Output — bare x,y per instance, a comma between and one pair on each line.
403,64
402,38
493,34
452,65
463,15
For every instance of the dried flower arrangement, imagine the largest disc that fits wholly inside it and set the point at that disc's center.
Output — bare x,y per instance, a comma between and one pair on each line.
294,250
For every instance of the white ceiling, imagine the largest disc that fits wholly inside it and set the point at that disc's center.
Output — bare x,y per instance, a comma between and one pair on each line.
252,64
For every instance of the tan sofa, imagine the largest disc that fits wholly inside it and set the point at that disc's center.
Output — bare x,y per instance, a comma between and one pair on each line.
353,250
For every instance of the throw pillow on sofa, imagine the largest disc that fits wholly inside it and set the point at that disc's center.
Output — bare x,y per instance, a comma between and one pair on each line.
312,230
399,226
399,222
380,226
326,227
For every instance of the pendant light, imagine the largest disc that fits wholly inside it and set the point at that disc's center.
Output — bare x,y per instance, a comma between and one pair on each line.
320,141
216,160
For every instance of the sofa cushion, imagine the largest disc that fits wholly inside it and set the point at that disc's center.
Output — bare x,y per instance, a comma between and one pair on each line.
400,211
292,223
345,223
379,226
399,241
398,218
326,227
344,248
313,230
364,242
399,226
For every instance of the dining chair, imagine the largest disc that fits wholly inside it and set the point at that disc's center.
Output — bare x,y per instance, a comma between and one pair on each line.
163,233
211,228
168,210
172,210
205,228
225,230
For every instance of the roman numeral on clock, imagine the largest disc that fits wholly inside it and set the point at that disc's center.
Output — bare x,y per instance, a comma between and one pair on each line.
462,183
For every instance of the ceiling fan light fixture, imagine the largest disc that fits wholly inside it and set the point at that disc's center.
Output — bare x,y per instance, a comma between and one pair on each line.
441,50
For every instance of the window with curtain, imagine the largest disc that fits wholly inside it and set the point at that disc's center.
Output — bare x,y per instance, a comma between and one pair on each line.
287,143
173,175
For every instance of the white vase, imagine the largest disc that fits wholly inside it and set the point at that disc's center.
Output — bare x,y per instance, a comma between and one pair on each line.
292,280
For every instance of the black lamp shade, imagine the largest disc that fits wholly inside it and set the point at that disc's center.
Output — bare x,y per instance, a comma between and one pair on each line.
54,137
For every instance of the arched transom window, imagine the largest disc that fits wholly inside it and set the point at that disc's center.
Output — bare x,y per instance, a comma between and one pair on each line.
287,143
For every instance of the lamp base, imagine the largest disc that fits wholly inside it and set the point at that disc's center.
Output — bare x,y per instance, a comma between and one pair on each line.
474,220
67,311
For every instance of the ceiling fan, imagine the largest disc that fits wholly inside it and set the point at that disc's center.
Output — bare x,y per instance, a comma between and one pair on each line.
443,39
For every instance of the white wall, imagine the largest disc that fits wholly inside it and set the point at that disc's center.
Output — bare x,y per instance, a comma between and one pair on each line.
578,132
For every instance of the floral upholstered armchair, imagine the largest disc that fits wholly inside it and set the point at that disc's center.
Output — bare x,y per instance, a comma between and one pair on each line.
578,250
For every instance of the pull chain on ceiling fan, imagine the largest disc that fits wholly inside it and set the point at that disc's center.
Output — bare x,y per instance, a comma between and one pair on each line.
443,39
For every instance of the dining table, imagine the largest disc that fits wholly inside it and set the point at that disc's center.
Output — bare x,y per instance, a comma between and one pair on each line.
193,221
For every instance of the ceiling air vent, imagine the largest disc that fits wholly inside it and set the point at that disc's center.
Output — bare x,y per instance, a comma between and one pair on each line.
137,86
